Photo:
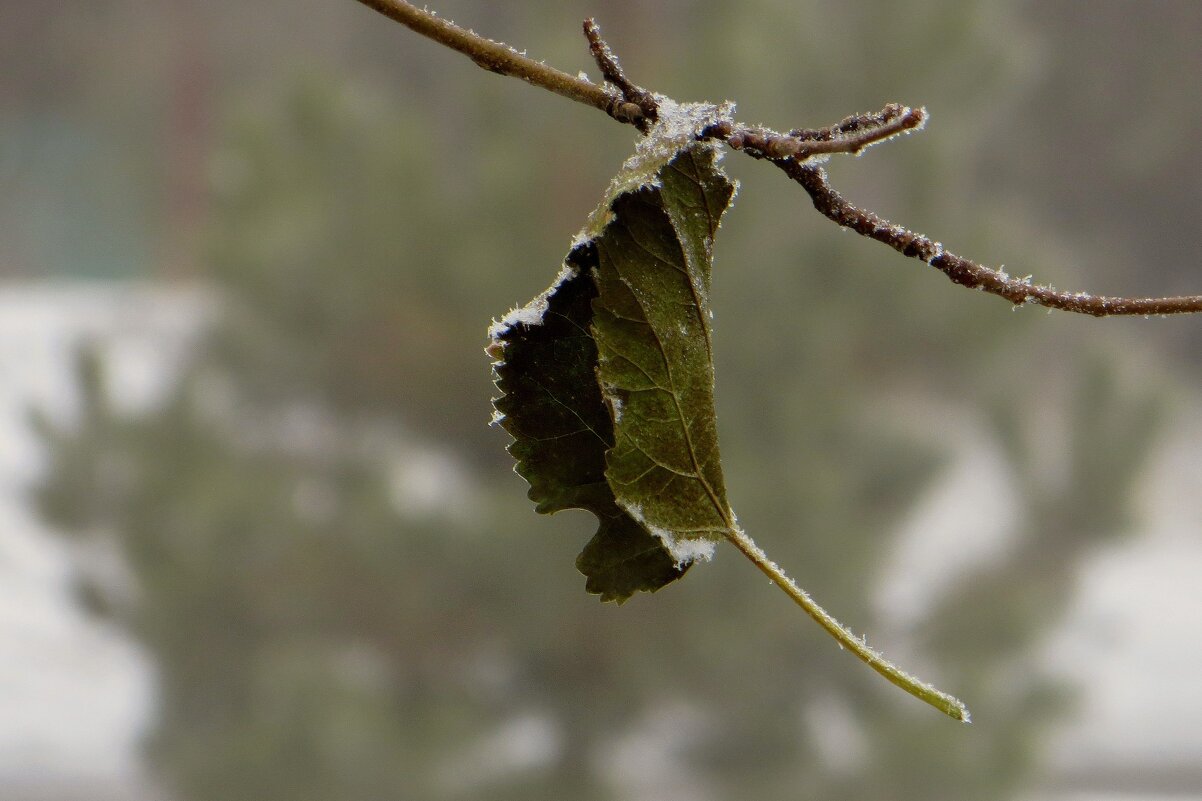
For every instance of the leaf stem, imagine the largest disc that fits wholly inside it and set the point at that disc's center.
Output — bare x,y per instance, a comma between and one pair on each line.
611,70
947,704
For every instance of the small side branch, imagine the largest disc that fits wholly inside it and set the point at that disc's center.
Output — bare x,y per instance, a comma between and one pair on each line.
959,270
636,104
852,135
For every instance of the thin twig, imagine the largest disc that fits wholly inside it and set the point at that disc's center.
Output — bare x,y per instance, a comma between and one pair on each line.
497,57
611,70
853,135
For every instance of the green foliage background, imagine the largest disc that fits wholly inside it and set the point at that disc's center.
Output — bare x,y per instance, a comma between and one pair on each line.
366,202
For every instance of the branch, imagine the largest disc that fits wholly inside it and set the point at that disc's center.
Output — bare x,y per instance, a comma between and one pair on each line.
793,152
503,59
965,272
638,97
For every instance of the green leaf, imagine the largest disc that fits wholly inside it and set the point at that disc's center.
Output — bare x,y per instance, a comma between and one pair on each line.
655,361
606,387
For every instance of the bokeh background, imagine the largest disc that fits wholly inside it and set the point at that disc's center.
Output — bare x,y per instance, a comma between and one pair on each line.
257,540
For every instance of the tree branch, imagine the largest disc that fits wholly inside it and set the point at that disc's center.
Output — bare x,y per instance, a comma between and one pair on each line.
965,272
852,135
793,152
632,95
500,58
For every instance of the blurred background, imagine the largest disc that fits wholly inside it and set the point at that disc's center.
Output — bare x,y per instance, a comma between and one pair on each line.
257,540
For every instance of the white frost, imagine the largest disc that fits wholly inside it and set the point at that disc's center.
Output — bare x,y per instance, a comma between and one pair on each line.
684,551
615,404
530,314
677,126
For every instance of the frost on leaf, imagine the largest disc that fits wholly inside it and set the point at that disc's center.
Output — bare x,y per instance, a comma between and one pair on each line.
676,128
607,377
